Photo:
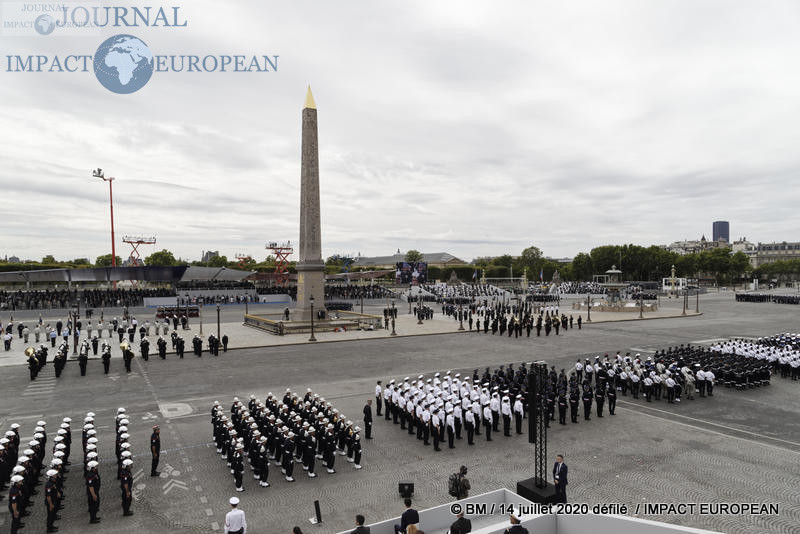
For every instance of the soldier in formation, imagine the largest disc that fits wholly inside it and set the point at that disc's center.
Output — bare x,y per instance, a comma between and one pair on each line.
290,431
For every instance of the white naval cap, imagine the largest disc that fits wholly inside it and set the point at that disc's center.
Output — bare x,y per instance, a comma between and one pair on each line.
92,464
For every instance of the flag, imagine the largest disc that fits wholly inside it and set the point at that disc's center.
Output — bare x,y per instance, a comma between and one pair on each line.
474,275
541,274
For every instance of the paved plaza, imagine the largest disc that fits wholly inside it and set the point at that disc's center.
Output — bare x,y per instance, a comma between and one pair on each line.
242,336
740,447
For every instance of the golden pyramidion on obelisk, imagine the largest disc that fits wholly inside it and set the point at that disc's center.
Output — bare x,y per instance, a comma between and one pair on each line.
309,100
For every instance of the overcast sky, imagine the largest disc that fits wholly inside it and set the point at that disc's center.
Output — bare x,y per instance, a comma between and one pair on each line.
475,128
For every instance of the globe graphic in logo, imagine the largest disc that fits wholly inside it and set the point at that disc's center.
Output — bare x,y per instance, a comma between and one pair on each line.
44,24
123,64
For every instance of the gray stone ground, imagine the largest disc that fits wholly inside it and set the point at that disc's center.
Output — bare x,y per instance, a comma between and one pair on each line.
734,447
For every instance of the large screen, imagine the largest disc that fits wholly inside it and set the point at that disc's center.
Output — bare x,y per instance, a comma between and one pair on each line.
411,273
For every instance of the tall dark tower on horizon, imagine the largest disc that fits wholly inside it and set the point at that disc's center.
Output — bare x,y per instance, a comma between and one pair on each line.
721,229
310,267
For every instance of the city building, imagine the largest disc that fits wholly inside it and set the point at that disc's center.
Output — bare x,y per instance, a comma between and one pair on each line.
433,259
745,247
771,252
721,230
209,255
695,246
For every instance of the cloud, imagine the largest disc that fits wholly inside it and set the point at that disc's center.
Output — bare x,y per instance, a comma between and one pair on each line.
468,128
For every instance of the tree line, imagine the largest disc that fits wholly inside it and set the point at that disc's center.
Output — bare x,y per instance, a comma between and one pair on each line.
636,263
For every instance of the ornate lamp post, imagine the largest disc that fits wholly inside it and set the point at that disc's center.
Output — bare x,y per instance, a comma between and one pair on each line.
460,319
685,299
392,312
311,301
588,308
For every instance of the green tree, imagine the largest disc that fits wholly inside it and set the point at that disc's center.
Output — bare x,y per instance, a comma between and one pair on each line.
48,260
740,264
105,261
413,256
162,258
582,269
247,263
81,262
504,261
217,261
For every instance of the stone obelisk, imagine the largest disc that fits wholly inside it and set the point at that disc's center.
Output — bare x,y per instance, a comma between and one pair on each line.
310,267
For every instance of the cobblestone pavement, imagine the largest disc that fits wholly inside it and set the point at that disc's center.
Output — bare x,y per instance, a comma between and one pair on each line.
734,447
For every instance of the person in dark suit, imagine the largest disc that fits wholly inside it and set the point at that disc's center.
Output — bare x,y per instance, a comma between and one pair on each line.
560,471
409,517
462,525
515,527
360,528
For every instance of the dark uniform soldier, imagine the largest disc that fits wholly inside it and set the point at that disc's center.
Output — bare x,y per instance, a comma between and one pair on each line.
587,401
155,450
106,356
33,363
357,450
600,397
574,400
51,499
612,399
144,347
180,346
261,466
562,406
126,487
288,457
83,358
15,498
60,360
162,348
309,452
95,343
127,356
237,466
93,491
41,355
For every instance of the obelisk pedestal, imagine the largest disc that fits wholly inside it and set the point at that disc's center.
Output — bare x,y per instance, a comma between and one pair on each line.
310,267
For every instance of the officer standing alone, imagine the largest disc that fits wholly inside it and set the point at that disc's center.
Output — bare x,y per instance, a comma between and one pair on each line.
368,419
155,450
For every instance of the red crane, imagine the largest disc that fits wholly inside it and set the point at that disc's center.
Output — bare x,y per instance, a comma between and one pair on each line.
242,259
134,241
282,251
